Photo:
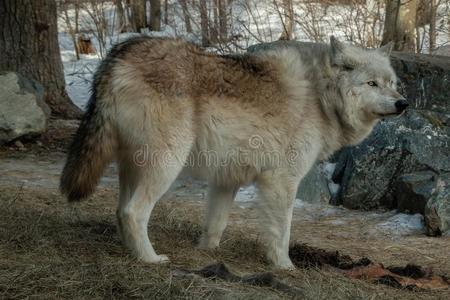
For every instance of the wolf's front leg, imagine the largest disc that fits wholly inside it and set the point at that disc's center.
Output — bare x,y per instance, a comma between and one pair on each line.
220,200
278,192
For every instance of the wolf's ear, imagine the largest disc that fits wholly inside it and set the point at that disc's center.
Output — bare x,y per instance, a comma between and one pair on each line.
337,51
339,56
386,49
336,45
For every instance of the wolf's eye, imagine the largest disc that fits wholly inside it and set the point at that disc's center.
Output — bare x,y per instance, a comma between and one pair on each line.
372,83
348,68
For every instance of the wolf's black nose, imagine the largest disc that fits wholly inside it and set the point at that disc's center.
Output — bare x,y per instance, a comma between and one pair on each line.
401,105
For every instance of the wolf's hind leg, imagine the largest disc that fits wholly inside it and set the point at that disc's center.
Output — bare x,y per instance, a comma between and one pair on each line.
141,188
220,200
133,216
277,199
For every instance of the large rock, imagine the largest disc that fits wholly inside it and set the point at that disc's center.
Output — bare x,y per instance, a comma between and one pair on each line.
314,186
22,108
437,210
424,79
374,173
412,191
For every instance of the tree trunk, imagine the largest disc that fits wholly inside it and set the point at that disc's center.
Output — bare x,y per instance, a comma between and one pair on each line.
288,22
77,16
29,46
138,15
204,24
72,32
214,29
155,15
121,23
433,11
186,16
166,12
400,24
223,24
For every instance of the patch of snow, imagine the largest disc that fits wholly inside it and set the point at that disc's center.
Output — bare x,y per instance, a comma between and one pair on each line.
332,211
328,169
299,203
246,194
338,222
402,224
333,188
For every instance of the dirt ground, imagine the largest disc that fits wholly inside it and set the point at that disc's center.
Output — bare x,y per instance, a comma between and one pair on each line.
50,249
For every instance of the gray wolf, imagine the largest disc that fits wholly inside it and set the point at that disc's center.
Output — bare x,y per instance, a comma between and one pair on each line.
264,117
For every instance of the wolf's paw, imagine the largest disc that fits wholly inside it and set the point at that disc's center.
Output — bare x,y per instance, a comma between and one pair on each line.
282,263
208,243
287,266
158,259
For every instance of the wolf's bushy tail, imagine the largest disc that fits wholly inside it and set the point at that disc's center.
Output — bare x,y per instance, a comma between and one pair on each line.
91,151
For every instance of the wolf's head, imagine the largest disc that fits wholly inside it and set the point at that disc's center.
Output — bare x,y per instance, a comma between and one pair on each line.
366,83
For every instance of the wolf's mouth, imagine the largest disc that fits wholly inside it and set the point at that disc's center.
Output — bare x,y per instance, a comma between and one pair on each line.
394,114
387,115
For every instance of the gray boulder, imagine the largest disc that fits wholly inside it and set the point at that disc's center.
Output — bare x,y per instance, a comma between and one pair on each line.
424,79
412,191
437,210
314,186
373,174
23,111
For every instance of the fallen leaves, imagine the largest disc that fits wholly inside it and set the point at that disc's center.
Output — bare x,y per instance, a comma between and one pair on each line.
376,272
410,276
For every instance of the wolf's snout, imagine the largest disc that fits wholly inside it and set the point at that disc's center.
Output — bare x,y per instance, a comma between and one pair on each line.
401,105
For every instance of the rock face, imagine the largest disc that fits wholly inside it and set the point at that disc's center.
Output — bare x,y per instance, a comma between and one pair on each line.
23,111
397,166
405,162
413,190
424,79
437,210
314,187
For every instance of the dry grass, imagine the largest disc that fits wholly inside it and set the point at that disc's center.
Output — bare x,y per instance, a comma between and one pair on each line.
50,249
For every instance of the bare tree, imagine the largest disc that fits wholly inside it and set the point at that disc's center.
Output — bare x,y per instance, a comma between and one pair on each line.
400,24
138,15
204,23
432,33
29,46
121,20
288,20
70,27
214,27
186,16
155,15
223,20
96,11
166,12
